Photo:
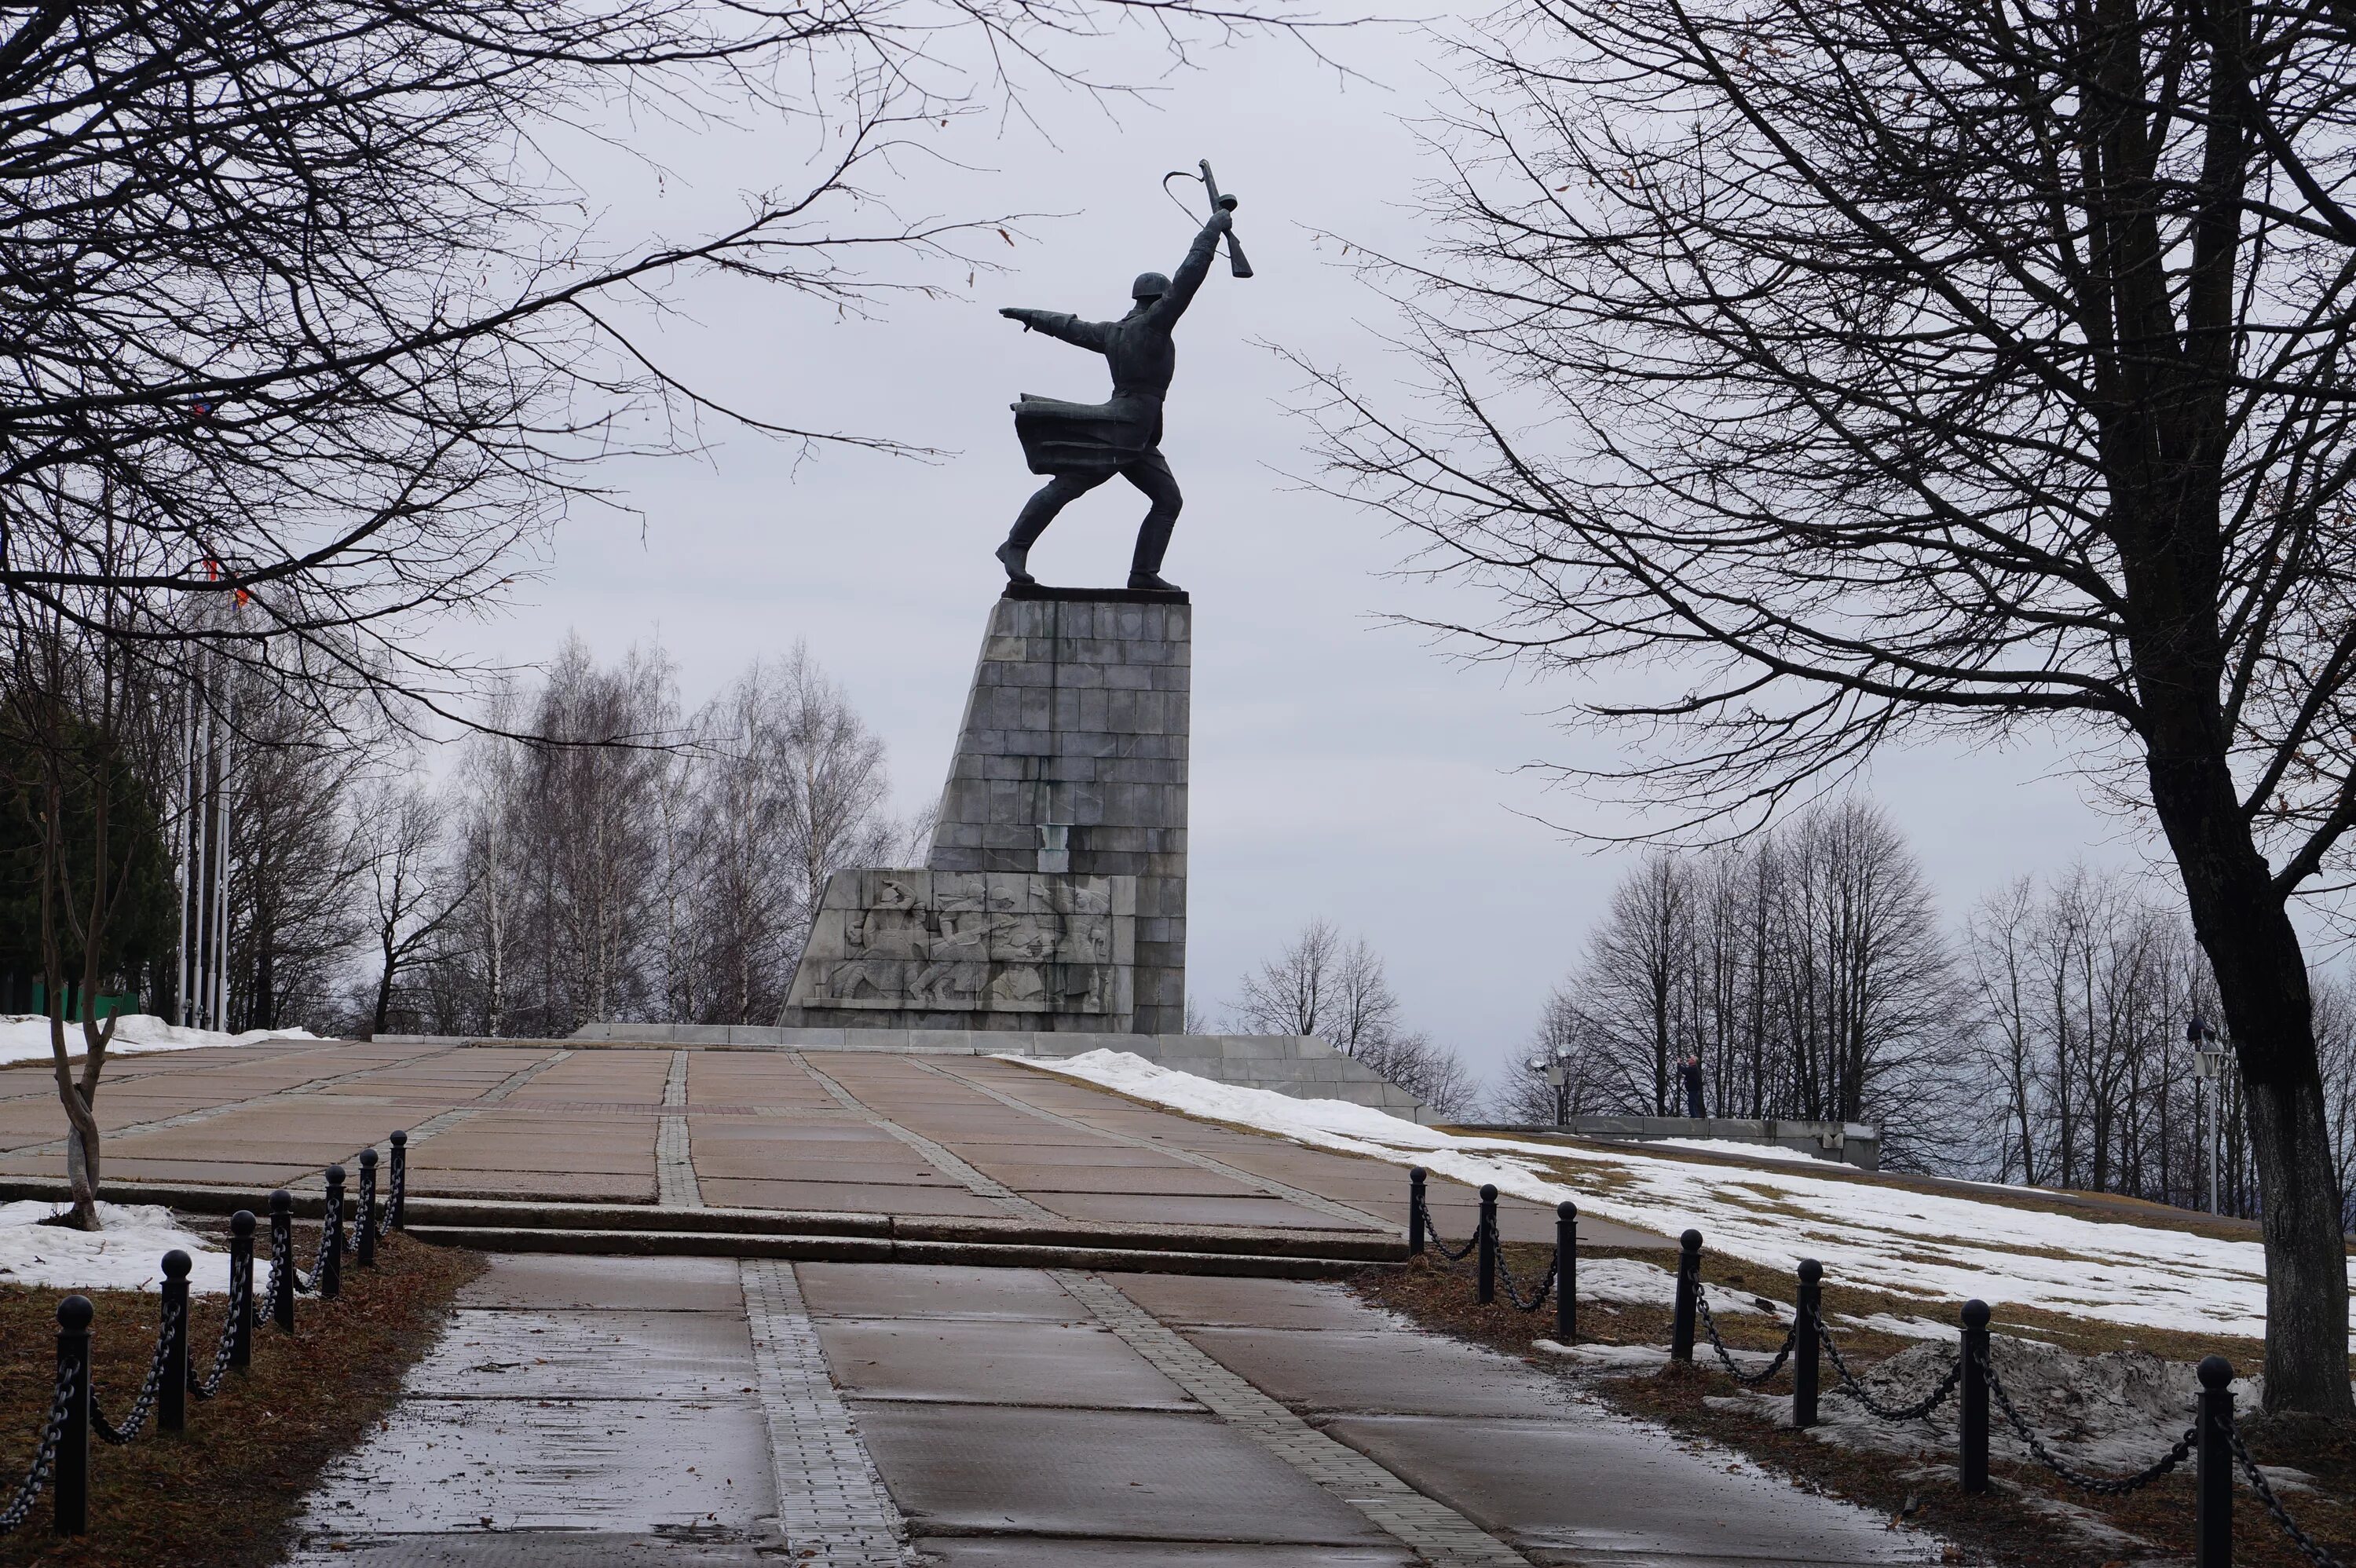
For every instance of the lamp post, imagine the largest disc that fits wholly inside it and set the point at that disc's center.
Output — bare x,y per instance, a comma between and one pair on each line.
1553,1068
2209,1053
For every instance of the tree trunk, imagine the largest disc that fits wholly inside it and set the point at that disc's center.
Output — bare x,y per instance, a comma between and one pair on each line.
2261,973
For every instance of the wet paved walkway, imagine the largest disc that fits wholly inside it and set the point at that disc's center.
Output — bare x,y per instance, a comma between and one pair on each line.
614,1413
832,1132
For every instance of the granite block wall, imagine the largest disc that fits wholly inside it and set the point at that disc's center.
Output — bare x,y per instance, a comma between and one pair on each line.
1069,782
1073,759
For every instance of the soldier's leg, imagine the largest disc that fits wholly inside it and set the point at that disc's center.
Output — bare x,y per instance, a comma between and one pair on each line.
1037,512
1152,475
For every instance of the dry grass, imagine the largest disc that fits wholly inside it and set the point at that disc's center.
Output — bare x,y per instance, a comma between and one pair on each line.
226,1491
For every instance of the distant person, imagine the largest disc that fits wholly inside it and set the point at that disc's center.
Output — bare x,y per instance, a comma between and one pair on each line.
1690,1074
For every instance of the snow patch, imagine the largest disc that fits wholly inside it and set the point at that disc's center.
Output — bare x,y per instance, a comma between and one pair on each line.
1943,1246
128,1254
25,1037
1728,1146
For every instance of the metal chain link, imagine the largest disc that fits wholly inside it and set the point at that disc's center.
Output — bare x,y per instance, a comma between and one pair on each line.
392,1203
146,1402
1514,1291
1709,1323
2102,1486
45,1454
1453,1255
331,1233
302,1286
2257,1480
1850,1386
209,1384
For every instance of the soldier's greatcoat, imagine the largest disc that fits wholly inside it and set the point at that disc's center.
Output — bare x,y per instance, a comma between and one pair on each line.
1095,441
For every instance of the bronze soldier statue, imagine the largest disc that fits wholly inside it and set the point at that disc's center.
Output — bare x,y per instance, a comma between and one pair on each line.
1081,445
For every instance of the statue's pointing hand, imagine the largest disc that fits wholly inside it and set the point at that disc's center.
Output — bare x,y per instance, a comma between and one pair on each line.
1017,313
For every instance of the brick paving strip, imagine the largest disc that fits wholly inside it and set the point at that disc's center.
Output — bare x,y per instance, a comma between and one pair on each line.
1315,1201
831,1504
1433,1530
948,1163
675,1183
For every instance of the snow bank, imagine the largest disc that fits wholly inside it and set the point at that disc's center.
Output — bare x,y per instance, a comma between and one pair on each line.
1941,1245
128,1254
25,1037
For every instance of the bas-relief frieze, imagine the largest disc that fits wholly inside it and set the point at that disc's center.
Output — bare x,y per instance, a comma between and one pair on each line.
994,942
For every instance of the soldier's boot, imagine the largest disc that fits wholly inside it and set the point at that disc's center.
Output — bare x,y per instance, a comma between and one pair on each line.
1016,559
1152,540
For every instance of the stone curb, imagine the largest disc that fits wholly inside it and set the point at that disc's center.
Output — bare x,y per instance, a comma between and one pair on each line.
885,1249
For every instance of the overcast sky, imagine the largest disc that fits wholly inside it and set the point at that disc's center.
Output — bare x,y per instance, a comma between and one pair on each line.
1341,767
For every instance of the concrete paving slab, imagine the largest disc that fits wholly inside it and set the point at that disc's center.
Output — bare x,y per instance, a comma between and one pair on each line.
1000,1362
1270,1213
638,1466
1325,1372
1125,1474
847,1197
511,1184
749,1162
1034,1551
546,1282
1084,1153
1182,1181
1604,1490
516,1352
678,1548
1202,1299
922,1291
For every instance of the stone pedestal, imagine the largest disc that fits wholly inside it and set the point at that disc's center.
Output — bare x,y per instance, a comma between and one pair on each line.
1056,894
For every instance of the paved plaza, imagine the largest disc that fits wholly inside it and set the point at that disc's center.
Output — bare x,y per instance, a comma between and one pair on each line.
604,1413
696,1411
849,1133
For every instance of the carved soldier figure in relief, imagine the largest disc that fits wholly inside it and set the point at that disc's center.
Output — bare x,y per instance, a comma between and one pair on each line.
1081,445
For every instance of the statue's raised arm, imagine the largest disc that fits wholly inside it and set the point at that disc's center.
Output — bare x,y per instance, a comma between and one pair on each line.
1080,445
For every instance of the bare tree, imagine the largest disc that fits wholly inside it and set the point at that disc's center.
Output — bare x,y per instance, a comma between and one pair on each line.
1338,990
1805,969
1907,368
304,297
832,785
69,728
1293,992
412,898
1635,981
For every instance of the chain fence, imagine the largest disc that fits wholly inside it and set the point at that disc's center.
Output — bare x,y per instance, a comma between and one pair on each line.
1726,1358
1970,1378
143,1404
61,1452
1514,1292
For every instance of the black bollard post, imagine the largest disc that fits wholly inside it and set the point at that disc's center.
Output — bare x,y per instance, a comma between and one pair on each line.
281,1259
1566,1273
1681,1327
1971,1417
398,1201
367,1214
1804,1344
1487,1291
172,1399
2212,1479
71,1485
241,1288
1415,1181
331,1237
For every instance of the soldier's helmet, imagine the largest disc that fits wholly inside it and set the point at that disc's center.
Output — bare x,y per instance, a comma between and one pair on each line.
1149,286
